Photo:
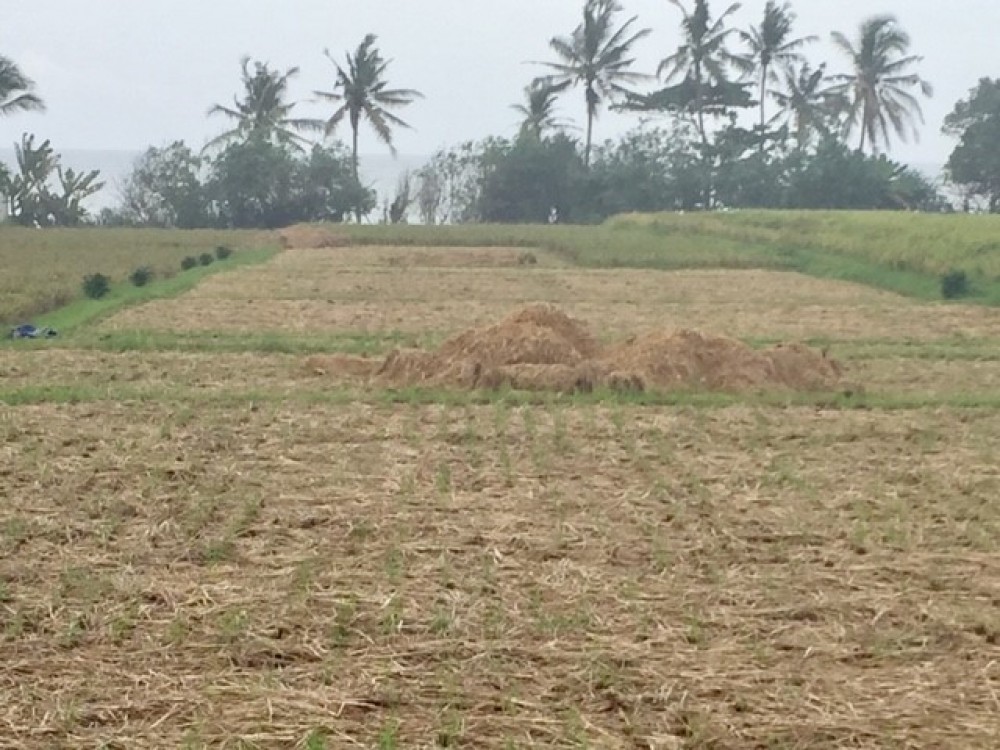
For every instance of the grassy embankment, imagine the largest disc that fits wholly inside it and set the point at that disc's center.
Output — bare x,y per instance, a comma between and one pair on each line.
42,271
904,253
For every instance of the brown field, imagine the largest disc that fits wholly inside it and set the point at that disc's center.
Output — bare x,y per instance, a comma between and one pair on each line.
341,289
231,550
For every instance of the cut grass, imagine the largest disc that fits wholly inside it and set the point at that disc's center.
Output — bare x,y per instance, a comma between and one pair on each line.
670,577
278,559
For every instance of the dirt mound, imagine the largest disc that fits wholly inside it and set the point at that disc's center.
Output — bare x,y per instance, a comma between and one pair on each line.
540,348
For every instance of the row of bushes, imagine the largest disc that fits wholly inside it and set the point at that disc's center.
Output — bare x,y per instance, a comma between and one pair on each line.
97,285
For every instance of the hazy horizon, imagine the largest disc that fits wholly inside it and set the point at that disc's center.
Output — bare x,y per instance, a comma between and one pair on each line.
378,171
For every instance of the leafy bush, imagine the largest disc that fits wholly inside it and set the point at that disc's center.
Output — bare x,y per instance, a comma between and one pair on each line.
141,276
954,284
188,263
96,285
206,259
222,252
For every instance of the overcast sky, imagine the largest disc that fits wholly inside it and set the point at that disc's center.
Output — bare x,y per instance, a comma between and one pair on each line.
126,74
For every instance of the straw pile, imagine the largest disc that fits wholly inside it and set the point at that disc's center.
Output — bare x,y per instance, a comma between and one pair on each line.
540,348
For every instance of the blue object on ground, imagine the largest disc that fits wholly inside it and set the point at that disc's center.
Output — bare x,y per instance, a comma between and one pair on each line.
28,331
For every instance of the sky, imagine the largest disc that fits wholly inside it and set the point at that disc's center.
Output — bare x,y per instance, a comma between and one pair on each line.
128,74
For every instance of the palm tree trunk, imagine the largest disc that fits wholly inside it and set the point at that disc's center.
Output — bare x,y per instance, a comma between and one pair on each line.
354,149
591,106
763,96
864,128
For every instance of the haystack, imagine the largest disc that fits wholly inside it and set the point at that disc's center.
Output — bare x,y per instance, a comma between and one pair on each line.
533,335
541,348
692,359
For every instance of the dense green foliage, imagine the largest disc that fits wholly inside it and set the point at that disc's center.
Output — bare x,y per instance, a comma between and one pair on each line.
653,169
41,192
975,163
97,285
251,184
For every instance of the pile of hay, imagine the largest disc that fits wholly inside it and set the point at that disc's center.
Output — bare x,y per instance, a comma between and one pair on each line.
311,237
694,360
539,347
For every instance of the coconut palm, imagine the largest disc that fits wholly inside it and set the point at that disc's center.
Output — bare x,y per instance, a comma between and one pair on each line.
264,112
16,90
538,109
703,59
361,92
807,103
597,55
878,88
771,44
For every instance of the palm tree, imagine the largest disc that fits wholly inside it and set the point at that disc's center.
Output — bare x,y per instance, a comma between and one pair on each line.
878,88
361,91
771,44
806,103
703,60
16,90
597,55
538,110
264,112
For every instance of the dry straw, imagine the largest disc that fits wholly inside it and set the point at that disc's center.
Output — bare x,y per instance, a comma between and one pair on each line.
541,348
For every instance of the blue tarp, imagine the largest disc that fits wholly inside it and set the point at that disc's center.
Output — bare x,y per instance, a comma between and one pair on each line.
28,331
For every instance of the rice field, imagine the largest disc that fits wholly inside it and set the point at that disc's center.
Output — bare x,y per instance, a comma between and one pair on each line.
205,542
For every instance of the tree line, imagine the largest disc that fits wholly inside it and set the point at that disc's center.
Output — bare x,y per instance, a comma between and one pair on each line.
732,118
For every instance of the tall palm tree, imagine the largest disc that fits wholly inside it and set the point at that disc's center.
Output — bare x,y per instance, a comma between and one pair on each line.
806,102
703,60
361,91
772,44
538,109
598,56
264,112
16,90
878,88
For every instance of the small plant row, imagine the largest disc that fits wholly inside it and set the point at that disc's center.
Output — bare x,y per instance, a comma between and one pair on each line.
97,285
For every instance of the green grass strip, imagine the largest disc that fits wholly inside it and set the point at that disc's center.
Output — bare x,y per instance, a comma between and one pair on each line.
86,311
71,394
267,342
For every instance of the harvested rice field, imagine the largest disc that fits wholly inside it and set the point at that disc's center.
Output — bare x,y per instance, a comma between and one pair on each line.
221,527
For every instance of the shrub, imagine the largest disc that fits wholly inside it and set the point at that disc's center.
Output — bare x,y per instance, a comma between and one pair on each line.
141,276
954,284
222,252
96,285
206,259
188,263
